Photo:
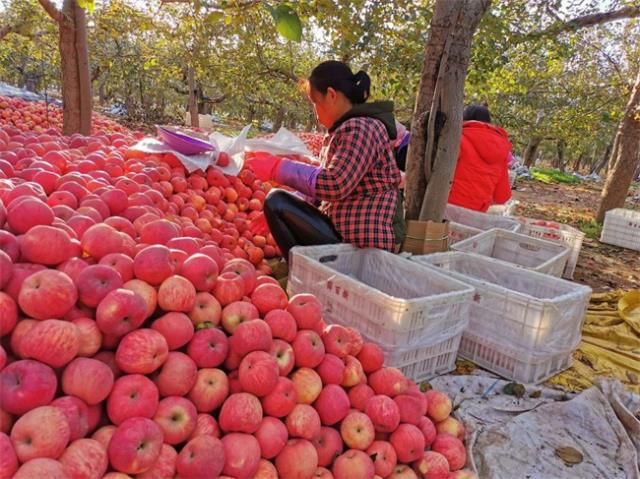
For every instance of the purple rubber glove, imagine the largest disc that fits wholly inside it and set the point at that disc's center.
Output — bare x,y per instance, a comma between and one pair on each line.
299,176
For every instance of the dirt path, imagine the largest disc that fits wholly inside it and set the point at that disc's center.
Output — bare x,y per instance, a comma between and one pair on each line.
603,267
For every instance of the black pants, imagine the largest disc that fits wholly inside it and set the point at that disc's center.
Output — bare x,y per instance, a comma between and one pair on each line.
294,222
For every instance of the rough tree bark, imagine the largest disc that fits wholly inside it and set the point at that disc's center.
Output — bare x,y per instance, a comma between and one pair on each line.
625,156
193,98
604,161
74,65
560,159
531,152
578,162
432,155
279,119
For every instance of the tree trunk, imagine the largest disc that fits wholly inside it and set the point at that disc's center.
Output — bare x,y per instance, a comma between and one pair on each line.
279,119
597,166
560,160
625,156
84,72
193,98
578,162
531,151
433,149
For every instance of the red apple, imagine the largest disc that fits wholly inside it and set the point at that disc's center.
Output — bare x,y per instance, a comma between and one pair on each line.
266,470
259,373
120,312
89,336
28,212
88,379
272,436
242,455
297,460
357,431
303,422
353,373
411,408
133,395
328,446
331,369
25,385
95,282
103,435
332,404
202,456
284,356
207,309
236,313
384,413
8,458
120,262
432,465
158,232
359,395
451,448
147,292
177,376
135,445
308,385
52,342
371,357
47,294
85,459
306,309
428,430
439,405
141,351
206,425
210,391
244,269
100,240
388,381
176,293
8,314
268,297
281,401
176,328
229,287
42,467
408,441
308,349
153,264
208,348
384,457
177,417
353,463
241,412
337,340
41,432
45,245
253,335
282,323
402,471
201,270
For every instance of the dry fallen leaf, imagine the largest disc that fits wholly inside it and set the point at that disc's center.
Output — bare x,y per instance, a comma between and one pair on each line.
569,455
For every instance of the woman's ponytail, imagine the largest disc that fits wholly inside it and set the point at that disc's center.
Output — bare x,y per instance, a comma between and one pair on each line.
338,75
361,87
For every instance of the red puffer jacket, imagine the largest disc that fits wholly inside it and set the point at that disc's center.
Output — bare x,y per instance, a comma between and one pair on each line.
482,176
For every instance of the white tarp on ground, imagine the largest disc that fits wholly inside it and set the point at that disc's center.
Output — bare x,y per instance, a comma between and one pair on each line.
11,91
511,437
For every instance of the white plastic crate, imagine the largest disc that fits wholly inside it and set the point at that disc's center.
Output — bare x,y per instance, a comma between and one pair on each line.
459,232
425,361
558,233
387,298
522,250
512,363
506,209
479,220
515,306
622,228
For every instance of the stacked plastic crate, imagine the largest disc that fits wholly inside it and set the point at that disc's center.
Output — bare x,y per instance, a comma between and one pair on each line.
415,313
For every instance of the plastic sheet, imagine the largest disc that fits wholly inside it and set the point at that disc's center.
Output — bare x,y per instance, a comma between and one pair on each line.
511,437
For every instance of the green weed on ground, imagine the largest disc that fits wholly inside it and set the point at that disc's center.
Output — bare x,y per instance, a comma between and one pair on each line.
591,228
548,175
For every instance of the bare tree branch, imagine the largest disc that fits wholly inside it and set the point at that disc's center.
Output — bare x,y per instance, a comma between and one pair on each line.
590,20
51,9
5,30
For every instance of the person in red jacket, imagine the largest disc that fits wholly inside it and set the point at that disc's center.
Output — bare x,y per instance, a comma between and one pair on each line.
482,174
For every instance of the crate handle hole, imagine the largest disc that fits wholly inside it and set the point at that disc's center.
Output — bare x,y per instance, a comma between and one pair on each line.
529,247
328,258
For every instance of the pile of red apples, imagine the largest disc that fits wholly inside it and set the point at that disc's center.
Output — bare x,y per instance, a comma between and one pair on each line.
141,335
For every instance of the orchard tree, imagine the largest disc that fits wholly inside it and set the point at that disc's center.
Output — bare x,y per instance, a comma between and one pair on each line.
74,63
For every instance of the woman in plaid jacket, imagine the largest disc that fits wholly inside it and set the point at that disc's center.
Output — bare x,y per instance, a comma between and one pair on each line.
356,184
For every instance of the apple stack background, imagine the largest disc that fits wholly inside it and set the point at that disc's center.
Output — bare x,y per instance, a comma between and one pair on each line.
141,335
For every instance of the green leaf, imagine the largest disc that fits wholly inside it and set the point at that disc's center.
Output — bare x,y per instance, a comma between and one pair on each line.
228,19
88,4
287,21
214,17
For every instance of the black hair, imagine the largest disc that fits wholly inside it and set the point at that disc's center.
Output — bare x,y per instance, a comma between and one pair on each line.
338,75
477,113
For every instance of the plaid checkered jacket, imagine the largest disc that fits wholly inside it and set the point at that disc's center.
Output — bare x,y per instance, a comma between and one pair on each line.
358,185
